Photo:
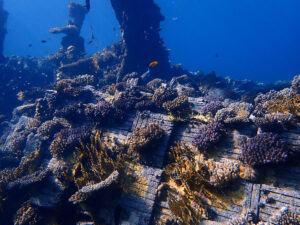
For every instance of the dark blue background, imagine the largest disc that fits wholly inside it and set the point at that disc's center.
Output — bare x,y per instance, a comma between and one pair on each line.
254,39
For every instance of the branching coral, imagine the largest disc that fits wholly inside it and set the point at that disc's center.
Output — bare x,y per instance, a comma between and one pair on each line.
50,127
295,85
42,111
208,135
284,101
94,162
100,113
144,138
285,217
27,165
67,139
265,148
235,113
85,192
273,121
73,113
188,190
27,214
163,95
179,107
212,107
195,182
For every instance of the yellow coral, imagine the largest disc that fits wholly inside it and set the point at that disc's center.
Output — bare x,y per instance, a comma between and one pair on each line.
284,104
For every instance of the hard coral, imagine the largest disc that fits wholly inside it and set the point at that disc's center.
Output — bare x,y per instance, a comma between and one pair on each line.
295,85
208,135
143,138
212,107
179,107
85,192
100,113
50,127
163,95
284,101
93,163
27,214
67,139
273,121
263,149
73,113
234,113
285,216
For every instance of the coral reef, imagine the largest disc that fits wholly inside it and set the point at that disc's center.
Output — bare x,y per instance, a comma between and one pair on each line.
73,113
67,139
212,107
284,101
163,95
208,135
95,167
246,218
234,113
273,121
264,149
26,166
27,214
100,113
87,191
51,127
144,138
295,85
285,216
179,107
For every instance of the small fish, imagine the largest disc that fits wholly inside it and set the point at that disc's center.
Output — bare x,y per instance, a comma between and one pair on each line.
90,41
43,41
87,5
92,33
29,45
146,74
153,64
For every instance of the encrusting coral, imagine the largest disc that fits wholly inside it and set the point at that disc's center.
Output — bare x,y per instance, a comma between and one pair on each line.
264,149
144,138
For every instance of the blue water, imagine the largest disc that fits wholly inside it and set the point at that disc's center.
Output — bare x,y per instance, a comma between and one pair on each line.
243,39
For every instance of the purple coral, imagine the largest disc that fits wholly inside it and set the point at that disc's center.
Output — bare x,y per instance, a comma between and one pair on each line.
163,95
212,107
295,85
208,135
263,149
100,112
67,139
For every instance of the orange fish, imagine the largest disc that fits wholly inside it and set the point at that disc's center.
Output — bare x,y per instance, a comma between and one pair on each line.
153,64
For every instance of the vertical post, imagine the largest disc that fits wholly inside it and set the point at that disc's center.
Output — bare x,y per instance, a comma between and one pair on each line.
140,26
3,31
